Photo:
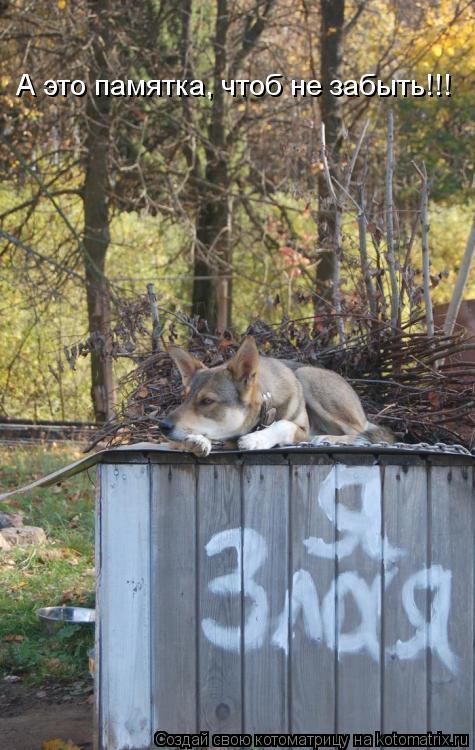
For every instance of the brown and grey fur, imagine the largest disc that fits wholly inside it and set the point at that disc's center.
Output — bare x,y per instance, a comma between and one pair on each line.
224,403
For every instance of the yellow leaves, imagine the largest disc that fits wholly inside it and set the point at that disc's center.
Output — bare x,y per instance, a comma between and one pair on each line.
34,114
59,745
61,4
446,36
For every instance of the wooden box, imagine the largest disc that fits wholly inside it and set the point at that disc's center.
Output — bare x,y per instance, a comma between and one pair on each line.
301,590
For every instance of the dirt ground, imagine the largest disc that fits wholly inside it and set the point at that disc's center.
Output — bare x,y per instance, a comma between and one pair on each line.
29,716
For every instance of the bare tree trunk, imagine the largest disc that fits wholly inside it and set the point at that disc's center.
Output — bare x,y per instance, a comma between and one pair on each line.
156,329
96,219
370,292
390,222
209,298
425,252
337,254
331,50
462,277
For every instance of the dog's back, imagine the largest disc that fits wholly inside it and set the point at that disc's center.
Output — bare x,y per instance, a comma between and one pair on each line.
333,406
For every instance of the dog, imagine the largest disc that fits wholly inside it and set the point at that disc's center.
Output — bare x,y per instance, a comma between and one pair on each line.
226,403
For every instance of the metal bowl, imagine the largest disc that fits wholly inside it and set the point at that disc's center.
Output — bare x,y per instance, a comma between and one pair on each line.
76,615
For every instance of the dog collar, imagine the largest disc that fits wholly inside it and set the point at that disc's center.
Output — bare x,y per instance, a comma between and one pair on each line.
267,413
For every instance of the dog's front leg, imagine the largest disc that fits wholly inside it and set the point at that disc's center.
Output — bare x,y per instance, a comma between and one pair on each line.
282,432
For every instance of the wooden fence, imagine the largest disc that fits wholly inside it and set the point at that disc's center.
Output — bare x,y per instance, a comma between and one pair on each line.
298,591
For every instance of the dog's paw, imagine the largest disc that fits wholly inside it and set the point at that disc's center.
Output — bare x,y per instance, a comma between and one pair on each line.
253,442
197,444
338,440
361,440
321,440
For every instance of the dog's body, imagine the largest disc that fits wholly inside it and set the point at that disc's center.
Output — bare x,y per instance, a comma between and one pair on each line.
225,403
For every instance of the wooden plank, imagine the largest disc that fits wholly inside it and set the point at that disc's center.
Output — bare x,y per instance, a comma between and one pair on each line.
123,611
174,602
451,640
357,591
405,525
97,628
265,579
219,597
312,663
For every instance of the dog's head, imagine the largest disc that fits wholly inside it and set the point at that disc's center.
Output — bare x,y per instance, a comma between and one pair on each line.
221,402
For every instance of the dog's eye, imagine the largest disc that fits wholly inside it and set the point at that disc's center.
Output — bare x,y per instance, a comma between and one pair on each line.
206,401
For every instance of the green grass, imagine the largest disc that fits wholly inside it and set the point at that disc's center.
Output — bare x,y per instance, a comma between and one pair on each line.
58,572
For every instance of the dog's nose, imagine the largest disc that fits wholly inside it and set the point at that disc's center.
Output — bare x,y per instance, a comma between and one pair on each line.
166,425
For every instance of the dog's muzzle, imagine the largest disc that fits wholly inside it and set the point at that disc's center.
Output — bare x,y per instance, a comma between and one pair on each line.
166,426
169,429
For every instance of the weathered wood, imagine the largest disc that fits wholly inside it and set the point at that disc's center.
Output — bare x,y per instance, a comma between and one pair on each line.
451,558
307,597
174,601
357,591
124,608
312,663
405,514
266,562
98,542
220,610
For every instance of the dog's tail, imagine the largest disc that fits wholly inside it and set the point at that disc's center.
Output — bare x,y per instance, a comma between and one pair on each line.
375,433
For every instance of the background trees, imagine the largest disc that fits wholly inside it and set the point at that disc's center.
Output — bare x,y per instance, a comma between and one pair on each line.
223,203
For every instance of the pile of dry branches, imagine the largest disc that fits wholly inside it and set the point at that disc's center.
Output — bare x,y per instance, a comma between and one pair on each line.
418,385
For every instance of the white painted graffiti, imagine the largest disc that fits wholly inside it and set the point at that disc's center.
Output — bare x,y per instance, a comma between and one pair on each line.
362,527
323,621
255,548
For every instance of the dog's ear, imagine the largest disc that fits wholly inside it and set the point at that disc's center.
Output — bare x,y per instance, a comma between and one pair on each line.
245,363
186,363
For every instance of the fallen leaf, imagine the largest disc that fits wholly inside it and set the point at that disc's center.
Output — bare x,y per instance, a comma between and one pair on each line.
142,392
20,585
69,596
53,663
59,745
13,638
